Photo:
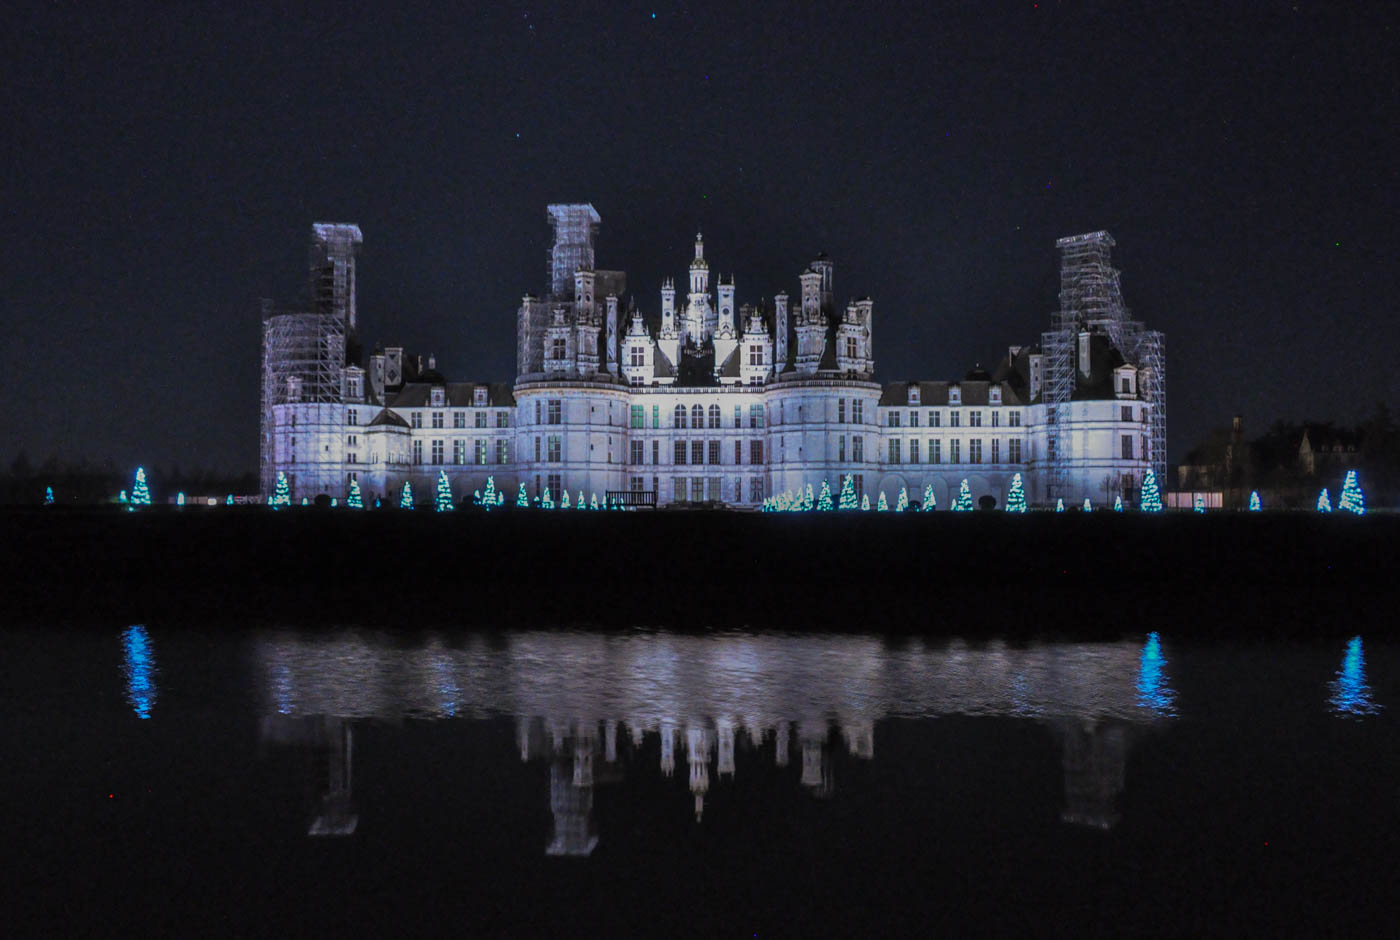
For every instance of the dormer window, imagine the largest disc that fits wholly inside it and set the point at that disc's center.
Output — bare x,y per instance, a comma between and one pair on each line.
437,398
913,394
479,397
995,392
954,395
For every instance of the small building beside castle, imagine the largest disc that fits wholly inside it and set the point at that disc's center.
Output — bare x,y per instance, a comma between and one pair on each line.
709,400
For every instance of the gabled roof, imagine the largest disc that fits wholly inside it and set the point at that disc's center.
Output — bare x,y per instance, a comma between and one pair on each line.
730,368
935,394
387,418
459,394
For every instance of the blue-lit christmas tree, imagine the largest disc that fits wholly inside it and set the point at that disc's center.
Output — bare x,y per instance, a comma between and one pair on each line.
902,502
1324,502
883,506
1016,496
180,498
593,503
281,492
1150,500
442,501
488,498
406,496
1254,504
1060,505
930,501
48,496
865,503
355,500
121,497
1088,507
964,496
564,501
1353,500
824,503
305,501
522,501
581,503
141,493
1200,503
1117,504
545,501
808,499
848,493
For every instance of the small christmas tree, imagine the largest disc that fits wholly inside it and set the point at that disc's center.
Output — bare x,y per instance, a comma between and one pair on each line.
930,501
808,501
593,503
1353,500
48,496
406,496
902,503
121,497
865,503
1117,504
180,498
883,505
442,501
228,500
489,497
582,503
1324,502
1151,498
964,496
334,501
522,501
1060,505
1200,503
564,501
305,501
848,493
1087,506
355,500
1016,496
824,500
141,494
476,497
281,492
1254,504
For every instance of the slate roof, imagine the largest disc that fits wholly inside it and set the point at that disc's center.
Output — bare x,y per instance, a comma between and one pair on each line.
1103,359
459,395
935,394
387,418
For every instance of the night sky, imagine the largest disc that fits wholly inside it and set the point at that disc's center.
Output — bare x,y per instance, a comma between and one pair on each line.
162,169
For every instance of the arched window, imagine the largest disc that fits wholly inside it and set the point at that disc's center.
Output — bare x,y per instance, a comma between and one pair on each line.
697,416
714,416
680,416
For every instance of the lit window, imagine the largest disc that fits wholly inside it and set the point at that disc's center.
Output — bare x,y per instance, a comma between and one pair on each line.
639,416
480,453
480,419
755,416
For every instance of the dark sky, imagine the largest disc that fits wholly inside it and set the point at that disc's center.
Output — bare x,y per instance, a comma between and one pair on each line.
162,169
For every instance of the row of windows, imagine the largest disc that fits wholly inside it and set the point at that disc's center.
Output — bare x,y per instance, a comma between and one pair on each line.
897,451
697,416
480,452
699,489
894,419
459,419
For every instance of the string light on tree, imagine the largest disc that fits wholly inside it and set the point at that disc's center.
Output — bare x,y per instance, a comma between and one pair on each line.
1324,502
1151,498
930,501
1087,506
964,496
1353,499
442,502
883,506
848,493
593,503
824,500
141,493
865,503
406,496
1016,496
355,500
582,503
564,501
1254,504
522,501
545,501
1200,503
489,497
902,502
1117,504
48,496
1060,505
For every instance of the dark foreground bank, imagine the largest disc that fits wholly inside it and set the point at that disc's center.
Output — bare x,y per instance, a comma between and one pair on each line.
1040,574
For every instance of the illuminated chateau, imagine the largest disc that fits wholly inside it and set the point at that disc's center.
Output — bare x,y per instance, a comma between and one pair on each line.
709,399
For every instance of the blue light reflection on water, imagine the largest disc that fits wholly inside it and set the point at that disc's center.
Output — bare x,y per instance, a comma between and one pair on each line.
1153,691
139,667
1351,696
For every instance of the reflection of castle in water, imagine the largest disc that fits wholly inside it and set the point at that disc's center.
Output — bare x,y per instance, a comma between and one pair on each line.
574,694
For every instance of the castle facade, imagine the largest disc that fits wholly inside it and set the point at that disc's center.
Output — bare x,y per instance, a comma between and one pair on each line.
709,401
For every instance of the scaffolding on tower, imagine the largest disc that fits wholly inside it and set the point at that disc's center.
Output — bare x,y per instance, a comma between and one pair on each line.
303,359
1091,299
574,225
